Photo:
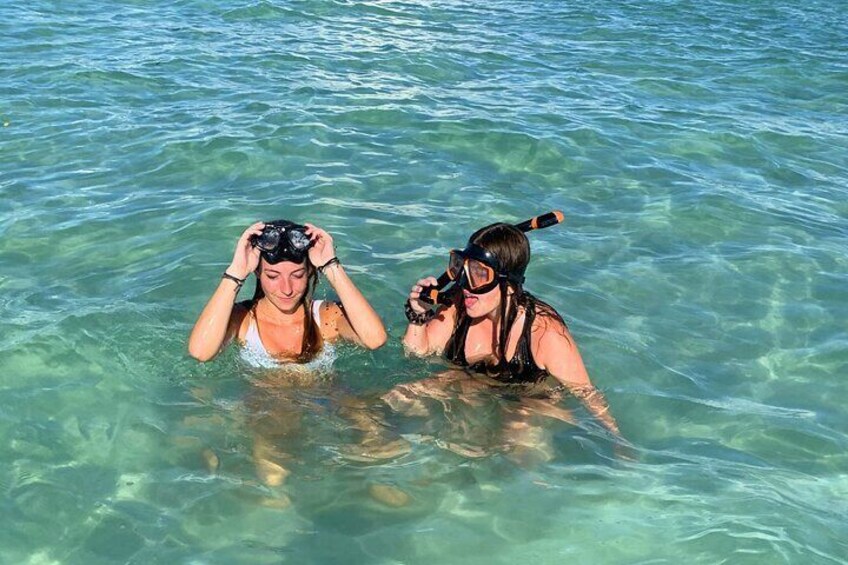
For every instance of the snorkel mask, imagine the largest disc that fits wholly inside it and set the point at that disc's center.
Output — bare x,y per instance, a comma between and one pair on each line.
478,270
282,240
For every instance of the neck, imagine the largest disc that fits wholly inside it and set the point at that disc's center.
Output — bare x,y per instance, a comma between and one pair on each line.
494,316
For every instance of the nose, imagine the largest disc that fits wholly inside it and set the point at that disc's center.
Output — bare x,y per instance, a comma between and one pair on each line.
286,287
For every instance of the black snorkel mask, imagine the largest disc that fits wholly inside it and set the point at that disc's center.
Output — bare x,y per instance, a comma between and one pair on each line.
477,270
282,240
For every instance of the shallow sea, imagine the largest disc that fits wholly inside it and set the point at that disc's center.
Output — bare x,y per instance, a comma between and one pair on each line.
697,149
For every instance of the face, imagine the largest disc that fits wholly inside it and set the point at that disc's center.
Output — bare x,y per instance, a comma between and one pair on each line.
482,305
284,283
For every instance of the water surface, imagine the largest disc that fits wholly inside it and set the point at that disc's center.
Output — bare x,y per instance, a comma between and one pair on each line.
696,148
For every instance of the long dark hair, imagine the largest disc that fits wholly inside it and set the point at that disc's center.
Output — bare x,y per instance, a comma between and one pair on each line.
312,341
512,248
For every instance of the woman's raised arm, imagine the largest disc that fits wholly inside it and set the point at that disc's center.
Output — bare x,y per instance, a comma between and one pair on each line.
360,323
214,328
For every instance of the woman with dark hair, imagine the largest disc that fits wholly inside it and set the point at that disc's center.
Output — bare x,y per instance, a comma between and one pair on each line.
497,331
282,323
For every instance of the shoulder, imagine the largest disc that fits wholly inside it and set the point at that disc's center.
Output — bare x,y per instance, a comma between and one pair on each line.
329,308
440,329
555,350
444,315
549,333
329,314
443,321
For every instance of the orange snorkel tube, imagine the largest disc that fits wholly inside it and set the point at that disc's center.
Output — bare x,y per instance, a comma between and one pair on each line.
436,295
544,221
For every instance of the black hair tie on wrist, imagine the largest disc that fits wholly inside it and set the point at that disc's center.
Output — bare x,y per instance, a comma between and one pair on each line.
239,282
415,318
333,261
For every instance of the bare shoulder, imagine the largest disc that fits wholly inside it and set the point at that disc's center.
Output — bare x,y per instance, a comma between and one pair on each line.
440,328
550,333
555,351
443,321
332,316
444,315
330,308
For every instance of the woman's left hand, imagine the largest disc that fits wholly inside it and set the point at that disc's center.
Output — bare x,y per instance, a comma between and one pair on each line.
322,249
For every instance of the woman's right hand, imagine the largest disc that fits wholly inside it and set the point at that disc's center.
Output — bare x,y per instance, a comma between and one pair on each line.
418,305
246,256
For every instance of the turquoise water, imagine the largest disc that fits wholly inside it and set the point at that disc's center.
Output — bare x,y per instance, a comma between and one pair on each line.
698,150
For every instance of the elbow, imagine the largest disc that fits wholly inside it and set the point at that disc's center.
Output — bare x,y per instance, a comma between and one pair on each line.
198,354
201,358
377,341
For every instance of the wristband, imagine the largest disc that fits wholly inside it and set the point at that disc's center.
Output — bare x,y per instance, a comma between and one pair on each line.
239,282
333,261
415,318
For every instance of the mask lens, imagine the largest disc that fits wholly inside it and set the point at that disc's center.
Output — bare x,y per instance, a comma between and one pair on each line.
269,239
479,275
299,240
455,264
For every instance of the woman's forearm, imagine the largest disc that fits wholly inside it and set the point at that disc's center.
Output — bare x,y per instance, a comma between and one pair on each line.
210,331
363,319
594,401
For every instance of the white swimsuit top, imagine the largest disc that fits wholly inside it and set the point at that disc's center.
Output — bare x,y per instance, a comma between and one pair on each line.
254,353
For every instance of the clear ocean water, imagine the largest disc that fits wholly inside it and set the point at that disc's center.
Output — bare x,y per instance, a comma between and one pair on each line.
698,150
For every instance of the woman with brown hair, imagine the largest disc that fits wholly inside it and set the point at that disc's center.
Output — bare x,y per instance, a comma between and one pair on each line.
283,331
282,324
497,332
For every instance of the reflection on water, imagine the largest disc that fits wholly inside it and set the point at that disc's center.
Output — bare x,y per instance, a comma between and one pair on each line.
292,422
351,464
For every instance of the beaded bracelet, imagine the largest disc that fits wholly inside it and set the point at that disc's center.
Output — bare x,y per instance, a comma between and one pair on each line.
333,261
415,318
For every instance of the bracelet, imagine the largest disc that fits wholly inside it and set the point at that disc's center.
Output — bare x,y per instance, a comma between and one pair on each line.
333,261
415,318
239,282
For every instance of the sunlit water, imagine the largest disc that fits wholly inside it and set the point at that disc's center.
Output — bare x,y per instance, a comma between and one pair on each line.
698,150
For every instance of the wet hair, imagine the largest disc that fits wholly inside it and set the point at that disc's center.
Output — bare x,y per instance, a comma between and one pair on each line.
512,248
312,341
508,243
